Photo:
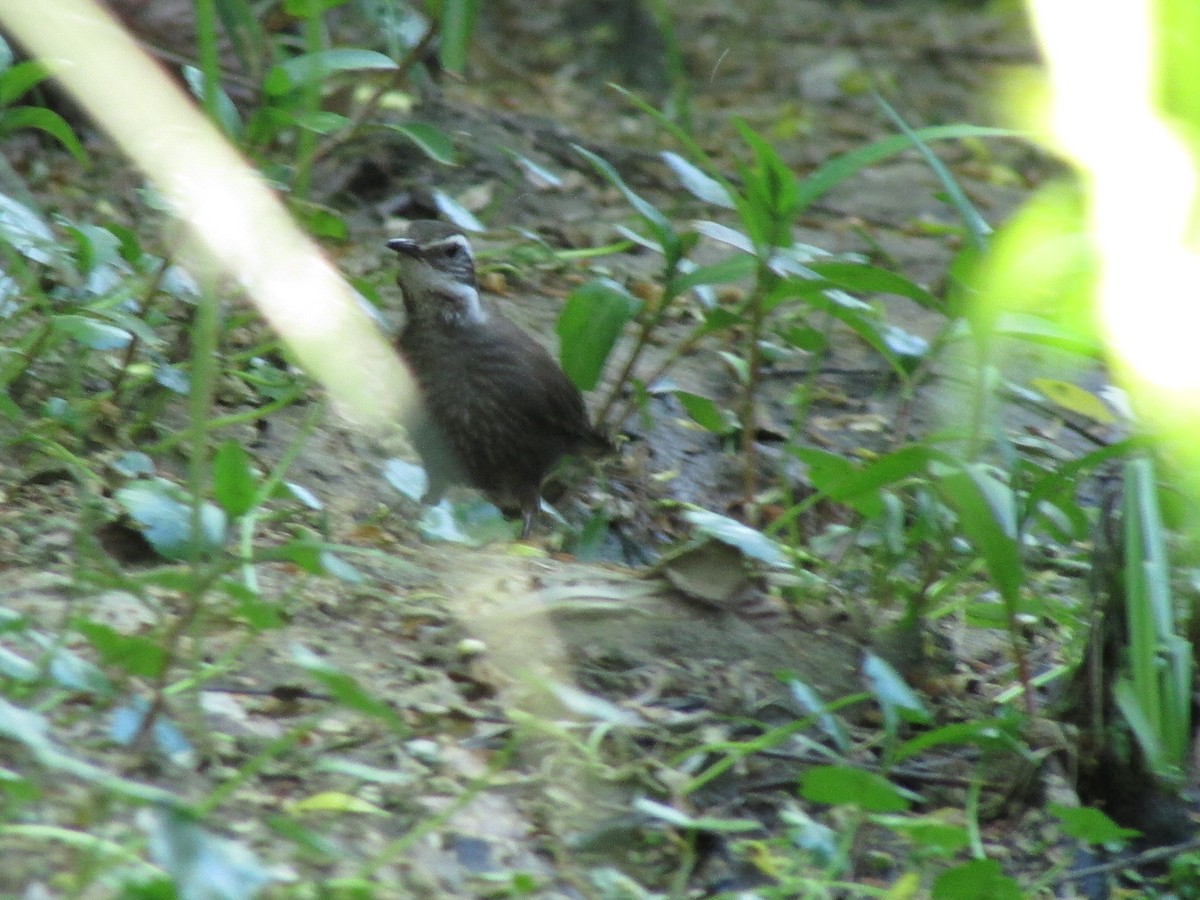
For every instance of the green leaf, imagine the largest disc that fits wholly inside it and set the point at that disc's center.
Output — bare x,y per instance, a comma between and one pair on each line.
26,230
894,696
664,233
91,333
310,67
679,819
304,9
847,786
730,531
48,121
707,414
234,484
164,512
866,279
861,487
838,169
346,690
976,225
987,515
928,833
134,654
321,121
322,222
732,268
1090,825
334,565
457,26
200,863
980,879
589,325
697,182
984,733
226,111
258,613
18,79
431,141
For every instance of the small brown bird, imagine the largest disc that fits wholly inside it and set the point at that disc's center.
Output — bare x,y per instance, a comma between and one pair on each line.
496,412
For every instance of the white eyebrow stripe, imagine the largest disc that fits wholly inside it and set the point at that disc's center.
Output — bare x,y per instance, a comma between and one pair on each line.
453,239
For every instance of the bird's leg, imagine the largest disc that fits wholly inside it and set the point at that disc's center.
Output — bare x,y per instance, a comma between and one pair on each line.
434,490
528,511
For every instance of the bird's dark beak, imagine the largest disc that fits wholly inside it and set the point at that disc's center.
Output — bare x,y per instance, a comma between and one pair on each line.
405,246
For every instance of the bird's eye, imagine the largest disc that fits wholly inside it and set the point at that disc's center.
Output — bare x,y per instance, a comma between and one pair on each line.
451,251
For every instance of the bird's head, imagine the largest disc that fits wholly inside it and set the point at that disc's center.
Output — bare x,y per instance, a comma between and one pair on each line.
437,274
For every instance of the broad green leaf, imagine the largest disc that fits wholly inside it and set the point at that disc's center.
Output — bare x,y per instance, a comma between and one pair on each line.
26,230
732,268
312,67
861,486
725,235
200,863
987,516
904,345
430,140
234,484
18,79
15,667
92,333
928,833
334,565
134,654
867,279
1074,399
707,414
696,182
984,733
322,121
979,879
847,786
1036,330
896,699
48,121
1090,825
730,531
589,325
408,478
164,512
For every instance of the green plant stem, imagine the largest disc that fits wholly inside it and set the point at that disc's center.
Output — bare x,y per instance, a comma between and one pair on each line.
371,104
749,404
208,55
306,140
216,424
205,329
132,347
649,325
265,489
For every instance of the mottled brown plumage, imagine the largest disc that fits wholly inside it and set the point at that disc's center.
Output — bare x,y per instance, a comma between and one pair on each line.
497,412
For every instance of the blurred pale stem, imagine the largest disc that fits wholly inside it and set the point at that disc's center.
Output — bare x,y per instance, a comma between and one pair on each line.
232,212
